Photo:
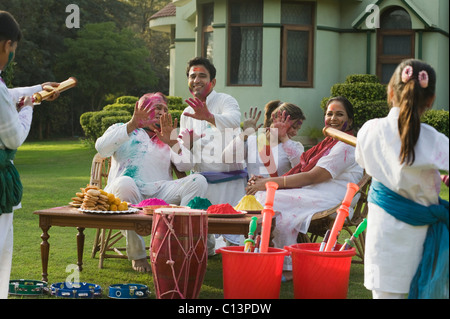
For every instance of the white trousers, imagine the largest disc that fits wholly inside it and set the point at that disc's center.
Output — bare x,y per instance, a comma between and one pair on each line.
376,294
6,252
178,192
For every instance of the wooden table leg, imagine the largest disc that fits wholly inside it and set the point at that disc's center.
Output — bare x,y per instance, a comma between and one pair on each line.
45,249
80,247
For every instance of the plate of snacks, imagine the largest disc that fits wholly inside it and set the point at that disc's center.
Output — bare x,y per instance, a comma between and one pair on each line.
224,211
131,210
92,199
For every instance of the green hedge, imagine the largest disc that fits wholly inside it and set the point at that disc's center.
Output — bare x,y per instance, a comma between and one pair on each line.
439,119
367,95
94,124
369,99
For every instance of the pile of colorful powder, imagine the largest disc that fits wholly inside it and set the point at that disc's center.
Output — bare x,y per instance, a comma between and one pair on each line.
222,209
249,202
199,203
151,202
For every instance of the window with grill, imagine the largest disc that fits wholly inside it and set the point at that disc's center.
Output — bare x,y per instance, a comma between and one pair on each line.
395,42
297,43
207,31
245,42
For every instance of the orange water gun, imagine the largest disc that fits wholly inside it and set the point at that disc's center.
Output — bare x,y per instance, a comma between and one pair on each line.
342,214
268,214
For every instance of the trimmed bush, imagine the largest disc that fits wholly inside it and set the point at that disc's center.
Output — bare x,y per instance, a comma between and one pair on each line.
369,99
120,107
127,100
176,103
439,119
94,124
107,121
367,95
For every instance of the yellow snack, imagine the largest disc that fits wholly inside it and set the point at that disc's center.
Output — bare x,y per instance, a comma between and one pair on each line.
122,206
111,198
117,201
113,208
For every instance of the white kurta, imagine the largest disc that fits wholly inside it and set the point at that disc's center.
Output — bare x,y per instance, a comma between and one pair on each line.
141,169
394,248
285,155
147,161
207,151
298,205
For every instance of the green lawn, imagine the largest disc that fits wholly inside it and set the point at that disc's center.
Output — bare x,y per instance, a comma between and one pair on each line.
52,172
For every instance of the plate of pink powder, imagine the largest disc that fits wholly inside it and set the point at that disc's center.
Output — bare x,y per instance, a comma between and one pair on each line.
224,211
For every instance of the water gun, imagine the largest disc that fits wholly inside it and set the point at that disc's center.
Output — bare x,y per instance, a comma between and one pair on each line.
249,242
342,214
351,242
268,214
257,242
43,95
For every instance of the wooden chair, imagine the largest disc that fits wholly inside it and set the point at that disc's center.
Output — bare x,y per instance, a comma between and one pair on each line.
106,239
322,221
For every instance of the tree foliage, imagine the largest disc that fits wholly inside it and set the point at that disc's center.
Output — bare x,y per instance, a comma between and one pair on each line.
105,59
127,59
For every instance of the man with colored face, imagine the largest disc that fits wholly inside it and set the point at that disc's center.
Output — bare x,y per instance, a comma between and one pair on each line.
215,118
141,152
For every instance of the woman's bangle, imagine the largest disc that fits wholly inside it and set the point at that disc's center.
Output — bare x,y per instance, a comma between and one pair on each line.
284,181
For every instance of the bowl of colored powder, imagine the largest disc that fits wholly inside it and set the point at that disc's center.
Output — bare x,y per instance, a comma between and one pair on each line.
199,203
151,202
224,210
249,204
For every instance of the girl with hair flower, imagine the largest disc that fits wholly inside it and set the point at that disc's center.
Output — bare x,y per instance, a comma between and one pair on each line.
407,235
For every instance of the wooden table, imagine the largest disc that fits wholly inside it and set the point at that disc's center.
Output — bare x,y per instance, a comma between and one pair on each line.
141,223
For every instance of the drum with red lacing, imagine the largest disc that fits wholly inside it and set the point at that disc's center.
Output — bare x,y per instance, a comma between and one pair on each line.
178,252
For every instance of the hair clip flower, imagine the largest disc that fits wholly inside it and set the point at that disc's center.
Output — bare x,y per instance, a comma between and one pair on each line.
407,74
423,79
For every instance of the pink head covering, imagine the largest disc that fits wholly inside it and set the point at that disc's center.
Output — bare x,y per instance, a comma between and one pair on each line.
152,99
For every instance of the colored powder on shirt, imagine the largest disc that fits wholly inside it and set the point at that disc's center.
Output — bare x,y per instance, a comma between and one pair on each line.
221,209
151,202
199,203
131,171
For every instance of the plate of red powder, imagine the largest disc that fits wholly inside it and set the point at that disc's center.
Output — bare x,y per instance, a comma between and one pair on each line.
224,211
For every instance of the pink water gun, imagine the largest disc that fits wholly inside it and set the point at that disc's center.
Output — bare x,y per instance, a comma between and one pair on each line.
342,214
268,214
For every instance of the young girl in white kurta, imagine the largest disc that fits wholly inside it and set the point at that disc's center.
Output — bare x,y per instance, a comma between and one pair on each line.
250,148
284,151
394,248
319,182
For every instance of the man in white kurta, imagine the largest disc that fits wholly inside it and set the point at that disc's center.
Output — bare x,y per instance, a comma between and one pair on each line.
217,119
394,248
141,169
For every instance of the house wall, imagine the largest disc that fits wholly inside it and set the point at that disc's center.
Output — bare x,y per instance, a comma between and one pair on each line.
340,49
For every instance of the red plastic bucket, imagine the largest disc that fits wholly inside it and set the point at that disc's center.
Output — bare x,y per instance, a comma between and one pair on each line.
252,275
320,275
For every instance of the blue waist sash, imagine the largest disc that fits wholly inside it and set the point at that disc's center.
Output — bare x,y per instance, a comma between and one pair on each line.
11,188
222,177
431,280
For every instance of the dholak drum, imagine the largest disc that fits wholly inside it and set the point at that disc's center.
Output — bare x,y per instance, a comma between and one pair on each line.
178,252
